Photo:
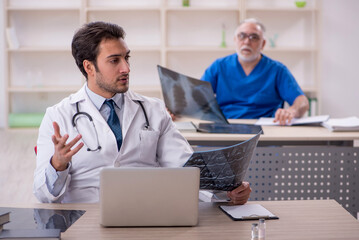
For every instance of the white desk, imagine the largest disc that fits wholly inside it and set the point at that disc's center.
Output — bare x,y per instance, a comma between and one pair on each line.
301,220
277,135
297,162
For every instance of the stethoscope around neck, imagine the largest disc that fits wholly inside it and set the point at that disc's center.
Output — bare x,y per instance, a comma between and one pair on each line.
78,115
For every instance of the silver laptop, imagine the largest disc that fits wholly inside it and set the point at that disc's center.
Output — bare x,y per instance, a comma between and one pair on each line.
149,196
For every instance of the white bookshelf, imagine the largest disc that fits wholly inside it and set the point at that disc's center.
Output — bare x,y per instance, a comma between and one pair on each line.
41,71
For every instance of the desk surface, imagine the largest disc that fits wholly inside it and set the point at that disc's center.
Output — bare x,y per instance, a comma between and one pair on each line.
307,219
275,133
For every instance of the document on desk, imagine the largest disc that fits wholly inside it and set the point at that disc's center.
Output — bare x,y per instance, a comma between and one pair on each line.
185,126
224,168
349,124
247,212
296,121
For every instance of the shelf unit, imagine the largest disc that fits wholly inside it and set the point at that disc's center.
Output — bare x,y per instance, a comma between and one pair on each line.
41,71
296,31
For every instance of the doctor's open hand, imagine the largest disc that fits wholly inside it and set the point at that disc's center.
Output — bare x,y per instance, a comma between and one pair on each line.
63,152
240,195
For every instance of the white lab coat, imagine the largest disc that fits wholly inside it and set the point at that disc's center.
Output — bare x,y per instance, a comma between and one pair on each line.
162,145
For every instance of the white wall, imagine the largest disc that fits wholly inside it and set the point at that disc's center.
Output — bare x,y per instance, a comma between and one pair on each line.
339,58
2,67
339,54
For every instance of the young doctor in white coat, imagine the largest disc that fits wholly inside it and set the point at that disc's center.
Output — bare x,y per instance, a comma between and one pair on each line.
75,141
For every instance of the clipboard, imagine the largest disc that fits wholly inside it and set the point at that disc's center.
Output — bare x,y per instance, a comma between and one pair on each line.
247,212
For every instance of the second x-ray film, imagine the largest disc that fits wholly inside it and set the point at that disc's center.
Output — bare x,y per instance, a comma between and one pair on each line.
224,169
189,97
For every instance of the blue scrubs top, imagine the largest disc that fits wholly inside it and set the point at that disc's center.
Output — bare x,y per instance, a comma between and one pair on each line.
257,95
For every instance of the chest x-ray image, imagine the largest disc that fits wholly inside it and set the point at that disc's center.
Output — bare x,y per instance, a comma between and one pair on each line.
189,97
224,168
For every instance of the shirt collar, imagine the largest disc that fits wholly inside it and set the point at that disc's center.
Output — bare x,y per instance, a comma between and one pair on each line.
98,100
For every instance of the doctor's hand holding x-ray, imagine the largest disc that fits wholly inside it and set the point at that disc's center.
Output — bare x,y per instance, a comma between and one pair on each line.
68,172
240,194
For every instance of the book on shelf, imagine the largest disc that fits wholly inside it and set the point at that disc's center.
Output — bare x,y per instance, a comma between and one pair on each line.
313,103
348,124
11,37
40,234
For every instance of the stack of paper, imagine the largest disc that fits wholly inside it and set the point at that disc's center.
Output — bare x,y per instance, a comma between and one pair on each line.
342,124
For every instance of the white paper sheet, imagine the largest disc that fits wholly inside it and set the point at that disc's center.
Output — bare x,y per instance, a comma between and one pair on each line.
185,126
296,121
342,124
248,211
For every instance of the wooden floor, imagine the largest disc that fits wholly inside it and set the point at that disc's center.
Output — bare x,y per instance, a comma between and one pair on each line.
17,165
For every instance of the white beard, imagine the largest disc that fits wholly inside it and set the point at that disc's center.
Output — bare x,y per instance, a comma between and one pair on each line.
249,58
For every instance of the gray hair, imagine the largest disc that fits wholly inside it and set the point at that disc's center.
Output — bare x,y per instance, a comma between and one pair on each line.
255,21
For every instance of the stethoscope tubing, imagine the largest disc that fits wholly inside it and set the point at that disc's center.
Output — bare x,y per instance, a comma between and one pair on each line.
78,112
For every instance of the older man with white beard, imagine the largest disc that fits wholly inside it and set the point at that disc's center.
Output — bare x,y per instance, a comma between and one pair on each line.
250,85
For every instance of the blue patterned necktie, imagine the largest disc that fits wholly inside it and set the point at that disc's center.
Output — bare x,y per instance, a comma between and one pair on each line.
114,123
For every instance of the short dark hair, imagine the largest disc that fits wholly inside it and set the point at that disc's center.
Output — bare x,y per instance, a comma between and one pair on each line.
86,41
